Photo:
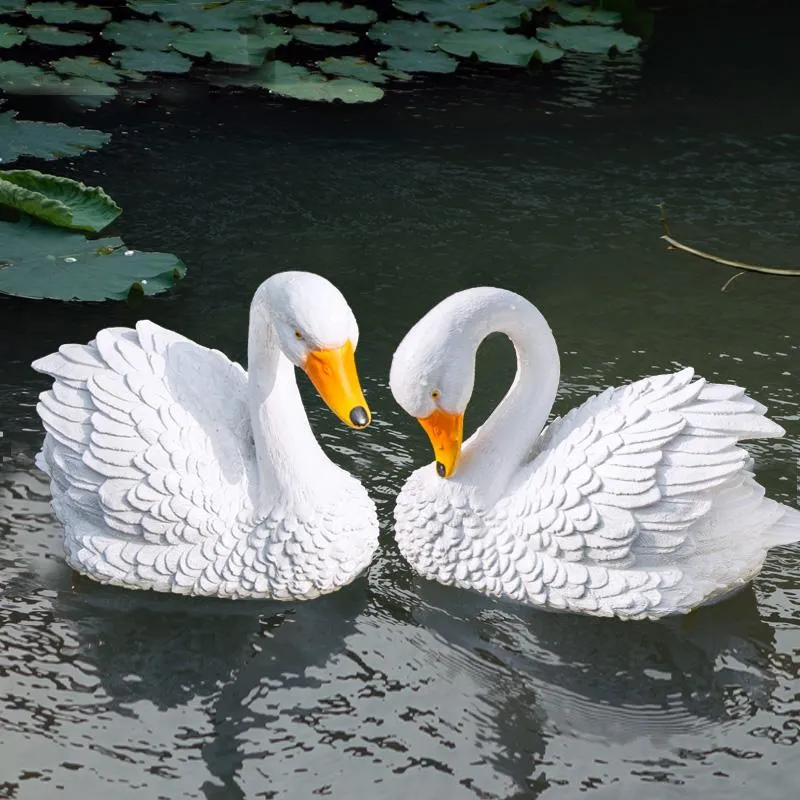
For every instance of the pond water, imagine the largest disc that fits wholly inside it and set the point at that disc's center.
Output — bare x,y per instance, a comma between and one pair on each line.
396,686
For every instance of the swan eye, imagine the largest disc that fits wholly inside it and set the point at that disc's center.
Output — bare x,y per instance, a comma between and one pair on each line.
298,335
435,394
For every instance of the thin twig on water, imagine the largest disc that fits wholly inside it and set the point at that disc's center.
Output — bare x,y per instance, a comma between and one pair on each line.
727,262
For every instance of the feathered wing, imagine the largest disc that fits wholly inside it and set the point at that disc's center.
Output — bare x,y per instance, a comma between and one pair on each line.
644,490
150,455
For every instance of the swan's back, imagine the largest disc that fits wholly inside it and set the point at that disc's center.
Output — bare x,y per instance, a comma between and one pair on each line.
149,452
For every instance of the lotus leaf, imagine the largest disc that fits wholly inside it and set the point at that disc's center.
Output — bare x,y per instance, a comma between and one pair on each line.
408,35
143,34
10,36
358,68
87,91
47,34
589,38
326,13
303,84
11,6
60,13
311,34
16,78
151,60
44,139
577,14
202,16
498,47
468,15
86,67
418,60
60,201
42,262
229,47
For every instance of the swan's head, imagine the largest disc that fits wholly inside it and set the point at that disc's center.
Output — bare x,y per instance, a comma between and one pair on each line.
317,331
433,374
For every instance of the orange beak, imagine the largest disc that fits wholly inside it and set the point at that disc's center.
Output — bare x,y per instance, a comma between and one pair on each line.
334,375
445,430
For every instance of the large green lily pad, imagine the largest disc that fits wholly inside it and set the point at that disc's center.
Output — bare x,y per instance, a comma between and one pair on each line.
86,67
585,14
498,47
87,92
418,60
16,78
588,38
468,15
10,36
11,6
408,35
229,47
327,13
302,84
60,13
358,68
59,201
313,34
47,34
143,34
42,262
151,60
44,140
204,16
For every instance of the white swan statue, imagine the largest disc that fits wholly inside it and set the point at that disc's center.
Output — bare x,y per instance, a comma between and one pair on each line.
175,470
637,504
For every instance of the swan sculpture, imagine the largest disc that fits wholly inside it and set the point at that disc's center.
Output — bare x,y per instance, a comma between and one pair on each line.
637,504
173,469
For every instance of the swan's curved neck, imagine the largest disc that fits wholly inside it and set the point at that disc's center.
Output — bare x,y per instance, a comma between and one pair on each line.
292,467
495,452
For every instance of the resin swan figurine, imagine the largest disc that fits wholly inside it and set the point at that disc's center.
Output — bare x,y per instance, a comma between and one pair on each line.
173,469
637,504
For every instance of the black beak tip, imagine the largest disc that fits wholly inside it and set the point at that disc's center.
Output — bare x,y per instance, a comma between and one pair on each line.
440,469
359,417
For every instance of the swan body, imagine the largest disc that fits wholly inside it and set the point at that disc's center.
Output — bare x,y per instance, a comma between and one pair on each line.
173,469
640,503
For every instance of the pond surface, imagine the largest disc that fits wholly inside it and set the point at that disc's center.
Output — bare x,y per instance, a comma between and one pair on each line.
397,687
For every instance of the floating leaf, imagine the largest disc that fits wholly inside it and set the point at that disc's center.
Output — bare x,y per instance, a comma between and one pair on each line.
230,47
577,14
358,68
588,38
498,47
47,34
418,60
202,16
87,91
86,67
42,262
468,15
327,13
59,201
10,36
143,35
44,139
151,60
60,13
408,35
16,78
11,6
303,84
311,34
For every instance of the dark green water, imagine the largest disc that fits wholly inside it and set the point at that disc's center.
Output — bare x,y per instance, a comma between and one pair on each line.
396,687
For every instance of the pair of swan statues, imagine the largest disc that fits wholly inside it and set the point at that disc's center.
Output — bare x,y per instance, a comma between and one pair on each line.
174,469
